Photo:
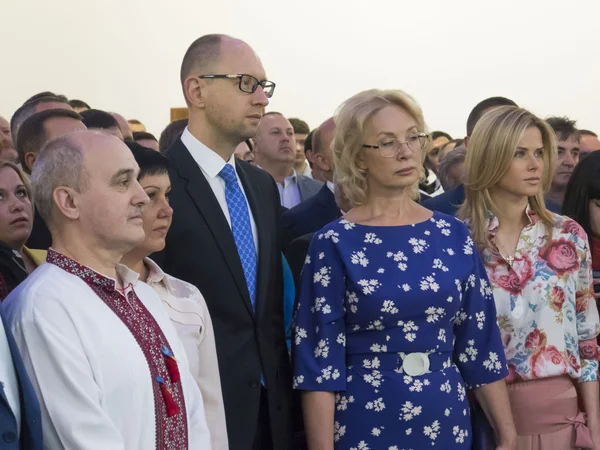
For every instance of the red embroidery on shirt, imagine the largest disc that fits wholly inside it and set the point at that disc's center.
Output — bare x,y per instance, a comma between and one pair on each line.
170,427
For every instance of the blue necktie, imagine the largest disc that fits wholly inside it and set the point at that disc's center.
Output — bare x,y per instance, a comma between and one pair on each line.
241,228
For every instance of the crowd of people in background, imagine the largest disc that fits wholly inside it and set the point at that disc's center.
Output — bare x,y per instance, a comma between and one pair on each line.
244,282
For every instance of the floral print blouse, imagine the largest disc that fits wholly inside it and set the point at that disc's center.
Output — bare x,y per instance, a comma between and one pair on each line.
547,313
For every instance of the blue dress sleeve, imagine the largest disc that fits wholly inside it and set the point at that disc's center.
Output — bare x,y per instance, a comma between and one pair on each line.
319,354
478,349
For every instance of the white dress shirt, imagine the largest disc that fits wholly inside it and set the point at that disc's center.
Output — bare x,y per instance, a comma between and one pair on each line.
92,379
289,192
188,311
211,165
8,378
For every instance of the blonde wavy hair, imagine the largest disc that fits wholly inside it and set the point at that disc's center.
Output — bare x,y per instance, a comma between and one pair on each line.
350,121
489,155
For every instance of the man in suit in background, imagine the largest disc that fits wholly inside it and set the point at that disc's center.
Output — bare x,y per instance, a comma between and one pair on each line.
275,152
450,201
225,239
20,420
321,209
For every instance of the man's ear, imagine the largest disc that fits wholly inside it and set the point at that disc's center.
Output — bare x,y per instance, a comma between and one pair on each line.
466,143
193,89
67,201
321,161
29,160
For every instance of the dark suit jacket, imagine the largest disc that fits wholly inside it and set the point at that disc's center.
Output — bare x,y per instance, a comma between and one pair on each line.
449,202
200,249
308,187
31,423
309,216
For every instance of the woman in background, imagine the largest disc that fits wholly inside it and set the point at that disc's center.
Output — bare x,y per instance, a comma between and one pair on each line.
16,221
539,266
183,301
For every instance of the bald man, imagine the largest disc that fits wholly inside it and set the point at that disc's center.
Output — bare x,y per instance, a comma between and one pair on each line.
224,238
92,337
124,127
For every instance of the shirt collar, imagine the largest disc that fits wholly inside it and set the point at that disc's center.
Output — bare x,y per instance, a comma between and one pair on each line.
128,277
293,177
493,221
156,275
208,160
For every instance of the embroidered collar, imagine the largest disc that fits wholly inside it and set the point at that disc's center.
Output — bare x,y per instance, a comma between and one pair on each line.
156,275
493,221
90,276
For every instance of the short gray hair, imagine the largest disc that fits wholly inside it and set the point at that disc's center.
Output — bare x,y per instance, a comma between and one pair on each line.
60,163
450,159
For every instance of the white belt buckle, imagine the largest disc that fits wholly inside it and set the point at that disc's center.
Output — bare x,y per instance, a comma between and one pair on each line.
415,364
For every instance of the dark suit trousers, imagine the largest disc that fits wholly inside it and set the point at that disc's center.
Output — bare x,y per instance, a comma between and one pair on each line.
263,439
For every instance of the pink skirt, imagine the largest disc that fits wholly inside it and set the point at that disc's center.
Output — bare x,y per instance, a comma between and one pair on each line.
547,415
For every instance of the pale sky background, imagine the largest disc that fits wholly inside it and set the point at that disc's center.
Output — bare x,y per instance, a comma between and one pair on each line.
124,55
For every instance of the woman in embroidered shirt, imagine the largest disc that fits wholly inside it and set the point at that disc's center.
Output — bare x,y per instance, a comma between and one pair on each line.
540,269
16,221
184,302
390,297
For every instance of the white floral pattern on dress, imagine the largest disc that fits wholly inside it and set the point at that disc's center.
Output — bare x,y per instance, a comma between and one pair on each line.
368,297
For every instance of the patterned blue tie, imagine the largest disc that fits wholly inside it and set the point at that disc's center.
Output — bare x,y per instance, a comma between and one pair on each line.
241,228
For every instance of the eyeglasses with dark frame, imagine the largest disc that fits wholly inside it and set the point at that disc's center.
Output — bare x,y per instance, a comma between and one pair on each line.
390,147
247,84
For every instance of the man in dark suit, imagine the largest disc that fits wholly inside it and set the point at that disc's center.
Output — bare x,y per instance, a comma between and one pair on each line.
20,421
275,152
449,202
316,212
225,239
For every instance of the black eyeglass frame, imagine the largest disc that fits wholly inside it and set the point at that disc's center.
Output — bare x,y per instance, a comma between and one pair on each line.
265,84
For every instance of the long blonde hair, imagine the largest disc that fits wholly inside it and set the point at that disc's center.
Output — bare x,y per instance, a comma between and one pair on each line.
350,121
489,155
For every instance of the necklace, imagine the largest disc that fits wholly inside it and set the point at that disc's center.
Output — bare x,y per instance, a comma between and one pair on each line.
510,259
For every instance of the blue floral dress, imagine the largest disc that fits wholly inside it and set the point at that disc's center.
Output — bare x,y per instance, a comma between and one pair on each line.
398,322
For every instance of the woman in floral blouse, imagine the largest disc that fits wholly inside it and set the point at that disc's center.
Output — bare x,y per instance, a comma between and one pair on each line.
539,266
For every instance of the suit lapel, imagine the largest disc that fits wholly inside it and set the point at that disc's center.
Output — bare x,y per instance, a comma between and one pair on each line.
203,197
301,187
264,231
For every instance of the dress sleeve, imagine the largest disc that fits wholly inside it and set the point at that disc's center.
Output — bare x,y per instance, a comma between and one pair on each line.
319,351
588,326
478,349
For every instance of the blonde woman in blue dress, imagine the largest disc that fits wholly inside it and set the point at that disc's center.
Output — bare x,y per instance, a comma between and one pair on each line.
395,320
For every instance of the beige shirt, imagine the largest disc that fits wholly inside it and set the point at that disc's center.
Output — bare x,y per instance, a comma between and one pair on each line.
188,312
